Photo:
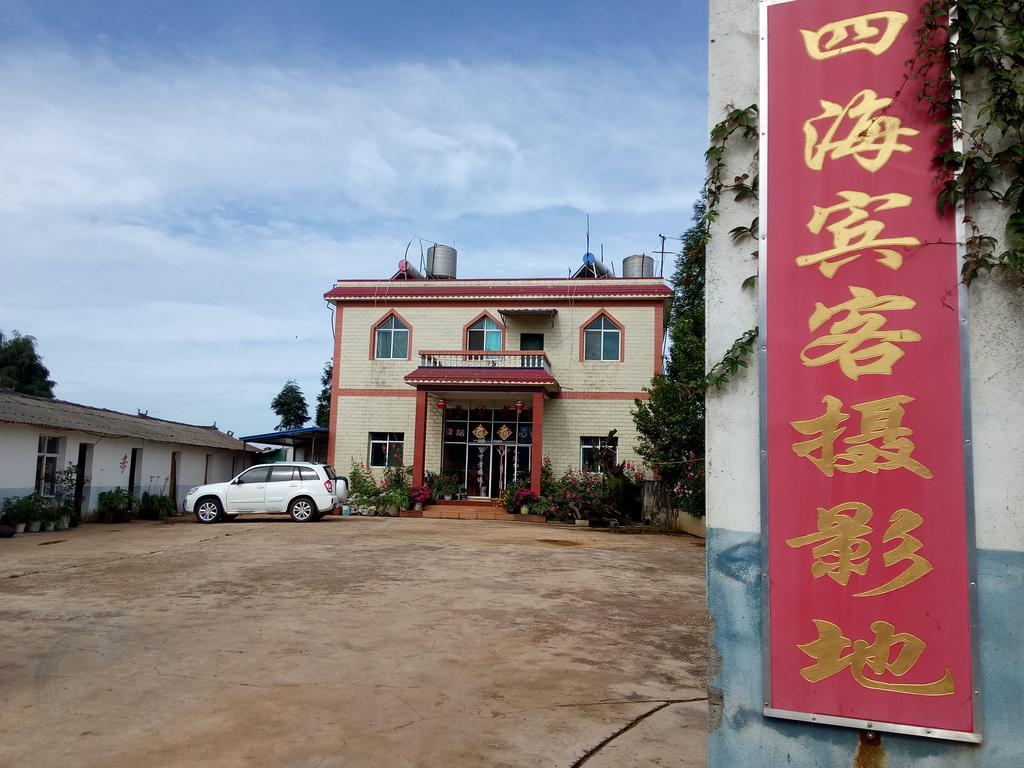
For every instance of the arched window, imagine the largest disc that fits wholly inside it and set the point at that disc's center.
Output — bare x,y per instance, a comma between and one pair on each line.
602,340
484,334
392,340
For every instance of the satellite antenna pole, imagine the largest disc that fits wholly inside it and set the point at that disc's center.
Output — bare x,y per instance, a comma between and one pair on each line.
588,233
662,272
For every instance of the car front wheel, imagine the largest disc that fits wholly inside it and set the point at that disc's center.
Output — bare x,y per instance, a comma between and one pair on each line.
208,511
302,510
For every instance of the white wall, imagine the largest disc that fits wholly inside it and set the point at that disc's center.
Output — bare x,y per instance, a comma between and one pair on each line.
19,449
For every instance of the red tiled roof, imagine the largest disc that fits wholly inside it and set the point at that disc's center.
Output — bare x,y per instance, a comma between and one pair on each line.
476,376
455,289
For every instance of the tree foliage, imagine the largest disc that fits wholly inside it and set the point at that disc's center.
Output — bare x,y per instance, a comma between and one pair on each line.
290,406
978,46
21,368
323,400
671,424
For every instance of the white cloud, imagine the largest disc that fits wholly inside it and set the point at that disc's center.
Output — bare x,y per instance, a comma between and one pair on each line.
167,229
95,135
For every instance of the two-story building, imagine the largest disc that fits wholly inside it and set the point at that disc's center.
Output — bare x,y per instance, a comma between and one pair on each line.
480,379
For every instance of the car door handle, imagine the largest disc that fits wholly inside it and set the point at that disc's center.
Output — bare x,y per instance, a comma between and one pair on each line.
293,485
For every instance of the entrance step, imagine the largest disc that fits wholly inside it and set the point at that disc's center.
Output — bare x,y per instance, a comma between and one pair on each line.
474,512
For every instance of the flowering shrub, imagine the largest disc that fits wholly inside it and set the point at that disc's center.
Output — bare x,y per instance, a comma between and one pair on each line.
632,472
361,482
579,496
508,494
420,494
592,496
687,493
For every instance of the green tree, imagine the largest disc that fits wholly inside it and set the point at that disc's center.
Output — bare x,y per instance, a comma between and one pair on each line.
671,423
290,406
323,400
21,368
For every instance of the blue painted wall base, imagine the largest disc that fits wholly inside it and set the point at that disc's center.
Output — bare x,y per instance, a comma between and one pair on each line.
741,736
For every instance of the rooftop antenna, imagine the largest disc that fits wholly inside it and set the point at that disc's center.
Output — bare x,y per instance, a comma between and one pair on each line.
661,273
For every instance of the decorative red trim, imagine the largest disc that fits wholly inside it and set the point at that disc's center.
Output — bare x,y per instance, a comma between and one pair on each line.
378,324
465,331
480,376
569,290
622,337
510,303
537,451
603,395
376,393
659,340
332,433
420,444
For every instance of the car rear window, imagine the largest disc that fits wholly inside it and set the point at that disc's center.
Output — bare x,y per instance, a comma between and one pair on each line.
330,471
308,474
281,474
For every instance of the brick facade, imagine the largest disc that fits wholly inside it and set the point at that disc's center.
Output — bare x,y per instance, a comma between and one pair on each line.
592,397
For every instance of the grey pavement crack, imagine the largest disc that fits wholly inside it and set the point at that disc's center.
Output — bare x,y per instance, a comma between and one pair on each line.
629,726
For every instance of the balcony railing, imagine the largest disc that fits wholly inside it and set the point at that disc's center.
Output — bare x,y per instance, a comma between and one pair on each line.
466,358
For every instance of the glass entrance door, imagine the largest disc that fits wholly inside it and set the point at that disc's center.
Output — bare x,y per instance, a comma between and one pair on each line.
486,448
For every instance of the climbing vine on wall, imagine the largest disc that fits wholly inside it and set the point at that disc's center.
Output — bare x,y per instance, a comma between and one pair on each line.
983,56
744,123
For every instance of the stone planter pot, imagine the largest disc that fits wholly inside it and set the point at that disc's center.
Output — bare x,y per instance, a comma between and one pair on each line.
49,525
63,523
32,526
19,528
583,523
447,497
418,506
524,509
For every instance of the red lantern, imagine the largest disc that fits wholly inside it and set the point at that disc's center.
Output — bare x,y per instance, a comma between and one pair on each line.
442,404
520,405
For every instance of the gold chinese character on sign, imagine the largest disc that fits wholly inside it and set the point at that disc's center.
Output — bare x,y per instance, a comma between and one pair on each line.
856,231
480,432
902,523
842,550
872,32
504,432
881,421
871,136
857,341
867,662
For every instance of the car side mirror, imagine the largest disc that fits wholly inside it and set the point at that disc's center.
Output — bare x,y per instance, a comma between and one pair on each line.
235,481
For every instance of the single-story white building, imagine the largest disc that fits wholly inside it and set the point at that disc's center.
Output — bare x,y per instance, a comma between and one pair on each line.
40,437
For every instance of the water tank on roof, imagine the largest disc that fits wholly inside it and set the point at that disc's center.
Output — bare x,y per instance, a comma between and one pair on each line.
600,270
638,266
442,261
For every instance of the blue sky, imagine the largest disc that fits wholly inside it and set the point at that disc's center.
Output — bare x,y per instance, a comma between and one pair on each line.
183,181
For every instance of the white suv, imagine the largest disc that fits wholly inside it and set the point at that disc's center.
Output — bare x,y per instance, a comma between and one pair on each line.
305,491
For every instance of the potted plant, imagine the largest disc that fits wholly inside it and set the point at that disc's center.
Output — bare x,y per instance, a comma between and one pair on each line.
49,513
14,512
33,511
153,506
420,496
542,506
64,494
114,506
525,497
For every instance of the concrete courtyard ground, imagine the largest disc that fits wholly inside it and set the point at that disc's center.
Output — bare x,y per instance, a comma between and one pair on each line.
351,642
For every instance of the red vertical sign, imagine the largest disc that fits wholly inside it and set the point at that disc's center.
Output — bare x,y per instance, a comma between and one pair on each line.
869,618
